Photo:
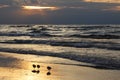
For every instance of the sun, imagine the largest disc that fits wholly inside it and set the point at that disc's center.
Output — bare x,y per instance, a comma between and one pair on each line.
39,7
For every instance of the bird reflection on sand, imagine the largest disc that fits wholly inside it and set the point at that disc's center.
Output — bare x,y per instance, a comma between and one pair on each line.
48,73
37,69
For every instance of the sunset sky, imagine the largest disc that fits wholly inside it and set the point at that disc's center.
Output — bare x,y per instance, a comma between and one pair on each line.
59,11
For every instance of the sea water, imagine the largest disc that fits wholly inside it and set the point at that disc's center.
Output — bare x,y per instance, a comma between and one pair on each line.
95,44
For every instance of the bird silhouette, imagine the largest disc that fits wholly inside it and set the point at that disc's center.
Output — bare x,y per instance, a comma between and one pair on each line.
34,66
49,68
38,66
34,71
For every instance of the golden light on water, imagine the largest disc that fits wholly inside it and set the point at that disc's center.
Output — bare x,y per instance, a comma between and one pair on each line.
39,8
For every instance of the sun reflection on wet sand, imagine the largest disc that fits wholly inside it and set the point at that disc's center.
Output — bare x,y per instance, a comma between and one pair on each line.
22,69
17,69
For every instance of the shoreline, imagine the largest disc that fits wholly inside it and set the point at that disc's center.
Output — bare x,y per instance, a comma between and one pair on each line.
19,67
66,56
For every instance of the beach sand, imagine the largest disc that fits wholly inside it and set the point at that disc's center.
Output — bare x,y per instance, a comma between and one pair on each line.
20,67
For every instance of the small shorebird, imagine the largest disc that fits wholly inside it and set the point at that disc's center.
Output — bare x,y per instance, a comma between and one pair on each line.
34,71
49,68
38,66
34,66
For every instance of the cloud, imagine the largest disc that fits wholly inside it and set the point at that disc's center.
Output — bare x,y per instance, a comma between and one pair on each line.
115,8
73,7
24,2
3,6
103,1
66,11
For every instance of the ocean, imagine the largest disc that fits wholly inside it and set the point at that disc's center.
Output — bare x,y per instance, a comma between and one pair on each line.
95,44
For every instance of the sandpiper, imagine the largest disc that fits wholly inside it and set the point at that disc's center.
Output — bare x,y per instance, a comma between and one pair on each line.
49,68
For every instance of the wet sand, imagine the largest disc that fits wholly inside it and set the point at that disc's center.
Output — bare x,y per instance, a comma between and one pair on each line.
20,67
